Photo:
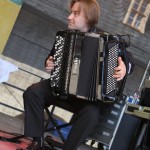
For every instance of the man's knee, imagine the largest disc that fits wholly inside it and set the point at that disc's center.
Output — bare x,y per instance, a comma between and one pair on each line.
28,92
92,112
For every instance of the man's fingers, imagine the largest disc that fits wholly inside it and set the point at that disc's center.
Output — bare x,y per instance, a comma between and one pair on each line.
119,60
50,58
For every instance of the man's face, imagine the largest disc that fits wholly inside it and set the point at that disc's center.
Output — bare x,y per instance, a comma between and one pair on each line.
76,20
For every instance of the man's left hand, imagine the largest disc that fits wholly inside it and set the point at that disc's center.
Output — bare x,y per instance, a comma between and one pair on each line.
120,71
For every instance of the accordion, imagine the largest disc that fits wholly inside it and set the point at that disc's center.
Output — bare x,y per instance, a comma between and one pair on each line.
84,65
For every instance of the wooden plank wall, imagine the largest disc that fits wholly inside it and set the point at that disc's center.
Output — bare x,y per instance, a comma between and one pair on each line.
112,15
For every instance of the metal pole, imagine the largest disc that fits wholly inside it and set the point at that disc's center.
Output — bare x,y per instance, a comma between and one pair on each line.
137,95
144,75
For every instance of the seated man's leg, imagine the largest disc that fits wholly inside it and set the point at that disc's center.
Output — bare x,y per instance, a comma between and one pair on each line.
35,98
86,120
38,95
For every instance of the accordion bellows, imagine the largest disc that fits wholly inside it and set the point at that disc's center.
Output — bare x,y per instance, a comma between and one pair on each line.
84,66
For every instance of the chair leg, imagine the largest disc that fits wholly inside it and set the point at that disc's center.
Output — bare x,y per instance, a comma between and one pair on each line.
56,126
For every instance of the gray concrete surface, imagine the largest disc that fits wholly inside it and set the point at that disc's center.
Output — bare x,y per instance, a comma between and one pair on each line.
12,96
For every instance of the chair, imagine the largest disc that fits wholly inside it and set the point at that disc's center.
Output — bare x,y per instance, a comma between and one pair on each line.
55,124
58,143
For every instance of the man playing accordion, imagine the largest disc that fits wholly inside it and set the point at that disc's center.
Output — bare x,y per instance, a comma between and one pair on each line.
84,15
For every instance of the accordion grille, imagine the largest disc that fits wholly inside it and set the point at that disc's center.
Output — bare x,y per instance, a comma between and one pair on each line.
112,63
55,74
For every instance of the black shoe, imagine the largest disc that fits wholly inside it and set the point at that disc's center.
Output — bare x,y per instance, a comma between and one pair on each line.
36,146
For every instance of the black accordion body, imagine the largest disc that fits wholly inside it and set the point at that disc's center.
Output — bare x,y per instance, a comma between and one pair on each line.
84,65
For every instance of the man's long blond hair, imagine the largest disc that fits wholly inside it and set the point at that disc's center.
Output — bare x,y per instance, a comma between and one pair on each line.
91,10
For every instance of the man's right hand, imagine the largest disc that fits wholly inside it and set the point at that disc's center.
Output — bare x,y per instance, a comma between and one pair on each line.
49,65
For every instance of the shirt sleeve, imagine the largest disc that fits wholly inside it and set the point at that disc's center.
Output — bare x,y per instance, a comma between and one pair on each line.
130,63
50,54
127,57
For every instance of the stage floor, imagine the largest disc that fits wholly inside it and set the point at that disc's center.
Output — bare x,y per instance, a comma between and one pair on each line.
15,125
11,124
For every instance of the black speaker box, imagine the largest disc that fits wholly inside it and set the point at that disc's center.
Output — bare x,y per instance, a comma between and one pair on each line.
126,132
145,97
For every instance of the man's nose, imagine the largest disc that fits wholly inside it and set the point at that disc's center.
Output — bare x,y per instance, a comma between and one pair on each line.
70,16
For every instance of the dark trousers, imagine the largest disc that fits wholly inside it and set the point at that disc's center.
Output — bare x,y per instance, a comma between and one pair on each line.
39,95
